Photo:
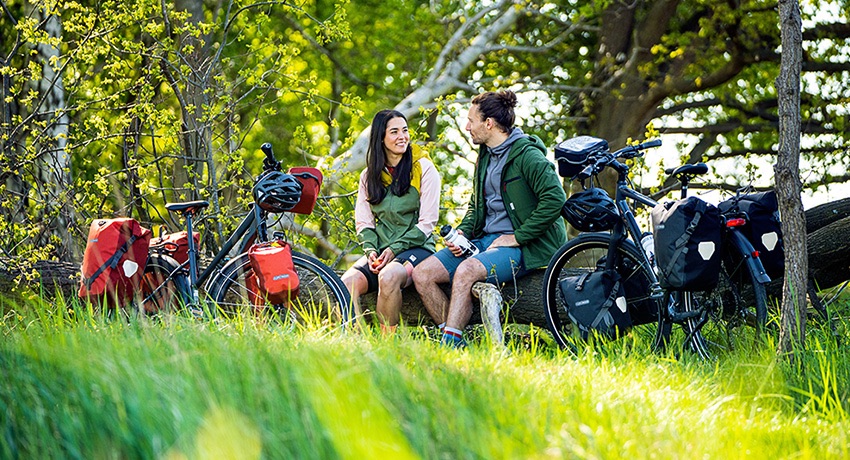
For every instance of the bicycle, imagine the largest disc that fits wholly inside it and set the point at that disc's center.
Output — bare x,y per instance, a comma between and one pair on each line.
611,238
171,285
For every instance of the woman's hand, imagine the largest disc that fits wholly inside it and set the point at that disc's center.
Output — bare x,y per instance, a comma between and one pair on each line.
376,262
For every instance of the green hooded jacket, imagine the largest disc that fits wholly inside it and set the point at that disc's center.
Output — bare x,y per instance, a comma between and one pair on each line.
533,197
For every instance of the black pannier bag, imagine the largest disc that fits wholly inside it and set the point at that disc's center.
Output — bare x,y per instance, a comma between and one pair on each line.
763,228
596,301
687,237
571,154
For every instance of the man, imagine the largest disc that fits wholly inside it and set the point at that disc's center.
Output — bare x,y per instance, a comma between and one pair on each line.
513,218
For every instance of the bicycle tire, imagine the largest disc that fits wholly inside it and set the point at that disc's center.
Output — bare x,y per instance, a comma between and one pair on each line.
583,254
319,286
739,300
164,287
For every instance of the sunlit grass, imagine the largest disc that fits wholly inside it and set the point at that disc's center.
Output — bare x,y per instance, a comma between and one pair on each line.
78,385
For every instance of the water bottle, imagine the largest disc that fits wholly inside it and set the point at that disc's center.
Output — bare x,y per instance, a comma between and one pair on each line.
451,235
648,244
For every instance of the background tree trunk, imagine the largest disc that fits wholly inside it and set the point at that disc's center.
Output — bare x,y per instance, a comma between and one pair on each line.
792,332
54,177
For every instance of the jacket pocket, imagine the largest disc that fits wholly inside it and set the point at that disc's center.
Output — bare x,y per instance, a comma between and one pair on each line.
519,199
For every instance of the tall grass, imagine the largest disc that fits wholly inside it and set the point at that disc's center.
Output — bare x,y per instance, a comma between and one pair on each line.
81,386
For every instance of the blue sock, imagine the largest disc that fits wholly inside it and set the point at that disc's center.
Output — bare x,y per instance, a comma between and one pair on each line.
452,337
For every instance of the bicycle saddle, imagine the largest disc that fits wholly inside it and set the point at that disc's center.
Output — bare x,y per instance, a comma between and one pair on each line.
188,207
691,170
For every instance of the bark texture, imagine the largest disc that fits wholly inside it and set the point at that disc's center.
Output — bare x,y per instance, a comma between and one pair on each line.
788,186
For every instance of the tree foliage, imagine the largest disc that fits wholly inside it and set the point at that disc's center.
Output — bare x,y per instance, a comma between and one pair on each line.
166,101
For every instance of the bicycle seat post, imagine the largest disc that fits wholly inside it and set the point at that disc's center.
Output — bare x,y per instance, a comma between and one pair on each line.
685,180
188,210
193,251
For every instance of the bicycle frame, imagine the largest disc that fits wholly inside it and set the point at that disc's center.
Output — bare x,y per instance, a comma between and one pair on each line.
252,227
746,249
627,226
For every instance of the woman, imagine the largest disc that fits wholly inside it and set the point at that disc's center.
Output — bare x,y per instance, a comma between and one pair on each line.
398,203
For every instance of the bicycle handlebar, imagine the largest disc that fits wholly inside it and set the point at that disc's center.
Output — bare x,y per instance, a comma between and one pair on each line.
604,159
632,151
269,163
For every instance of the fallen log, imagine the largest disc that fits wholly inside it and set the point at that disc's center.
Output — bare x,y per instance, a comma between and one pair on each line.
828,227
522,303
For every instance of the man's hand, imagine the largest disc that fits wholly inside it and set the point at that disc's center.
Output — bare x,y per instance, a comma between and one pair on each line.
456,250
504,241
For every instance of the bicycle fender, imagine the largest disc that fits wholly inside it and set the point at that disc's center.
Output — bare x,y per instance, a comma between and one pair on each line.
745,248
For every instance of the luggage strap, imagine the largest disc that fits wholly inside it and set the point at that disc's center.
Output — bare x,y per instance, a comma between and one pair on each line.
609,302
682,241
112,262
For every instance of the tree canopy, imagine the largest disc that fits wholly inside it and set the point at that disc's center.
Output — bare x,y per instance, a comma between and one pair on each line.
112,108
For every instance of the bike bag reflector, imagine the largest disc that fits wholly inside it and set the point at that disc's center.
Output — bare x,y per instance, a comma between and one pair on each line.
175,245
311,183
114,260
597,301
275,272
572,154
687,244
763,228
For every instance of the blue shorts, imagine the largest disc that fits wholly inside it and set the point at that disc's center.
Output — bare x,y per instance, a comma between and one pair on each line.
503,264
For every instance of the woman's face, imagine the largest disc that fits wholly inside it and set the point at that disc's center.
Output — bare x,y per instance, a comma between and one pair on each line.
396,136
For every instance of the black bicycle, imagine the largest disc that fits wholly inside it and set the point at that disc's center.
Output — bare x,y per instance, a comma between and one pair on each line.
226,281
611,240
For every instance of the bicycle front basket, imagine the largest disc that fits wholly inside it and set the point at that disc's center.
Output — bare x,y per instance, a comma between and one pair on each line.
572,154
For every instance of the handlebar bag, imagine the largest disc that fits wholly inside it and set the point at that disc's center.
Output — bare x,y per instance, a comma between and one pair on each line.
763,228
596,301
175,245
275,272
114,261
687,237
572,154
311,183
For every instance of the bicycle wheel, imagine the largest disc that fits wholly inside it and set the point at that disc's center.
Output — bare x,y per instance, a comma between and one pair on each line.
584,254
725,312
321,297
164,287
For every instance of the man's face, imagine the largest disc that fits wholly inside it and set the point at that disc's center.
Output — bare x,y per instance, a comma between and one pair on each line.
479,129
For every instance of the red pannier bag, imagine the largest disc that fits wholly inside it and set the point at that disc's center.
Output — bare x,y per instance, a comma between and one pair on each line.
275,272
311,183
114,260
175,245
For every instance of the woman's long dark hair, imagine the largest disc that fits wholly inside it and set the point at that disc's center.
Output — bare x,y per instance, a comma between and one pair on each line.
376,159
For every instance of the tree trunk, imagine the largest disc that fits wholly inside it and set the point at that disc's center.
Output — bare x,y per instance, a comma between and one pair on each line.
792,332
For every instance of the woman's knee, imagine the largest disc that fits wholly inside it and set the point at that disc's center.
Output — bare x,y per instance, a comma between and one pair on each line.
392,277
354,281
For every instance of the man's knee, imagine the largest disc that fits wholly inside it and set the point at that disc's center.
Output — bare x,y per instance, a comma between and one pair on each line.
427,272
470,271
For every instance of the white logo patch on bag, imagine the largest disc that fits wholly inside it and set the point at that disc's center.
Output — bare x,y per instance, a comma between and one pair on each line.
706,249
621,303
130,268
769,240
